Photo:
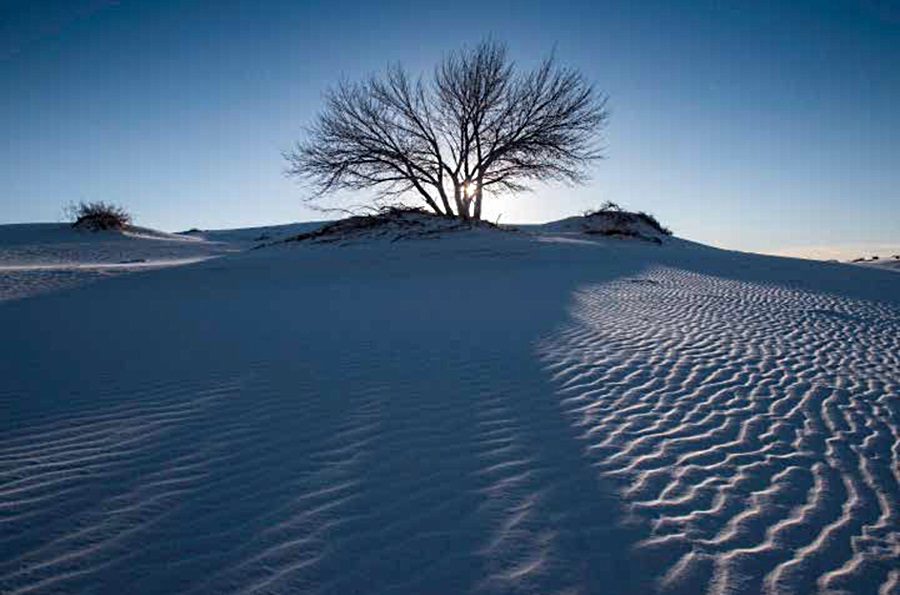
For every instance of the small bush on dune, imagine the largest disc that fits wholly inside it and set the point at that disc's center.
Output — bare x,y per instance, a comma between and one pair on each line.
654,223
609,206
618,216
98,216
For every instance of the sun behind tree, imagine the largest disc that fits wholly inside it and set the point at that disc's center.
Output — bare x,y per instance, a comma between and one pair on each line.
477,127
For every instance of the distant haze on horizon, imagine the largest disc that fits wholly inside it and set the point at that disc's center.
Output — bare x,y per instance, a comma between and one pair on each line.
767,126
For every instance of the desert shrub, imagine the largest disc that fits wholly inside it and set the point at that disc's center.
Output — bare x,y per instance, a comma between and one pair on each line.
615,214
608,208
98,215
654,223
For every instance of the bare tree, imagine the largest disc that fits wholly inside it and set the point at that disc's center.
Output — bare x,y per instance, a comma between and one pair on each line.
476,128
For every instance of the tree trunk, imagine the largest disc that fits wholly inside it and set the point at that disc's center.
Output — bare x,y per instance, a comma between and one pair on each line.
433,205
478,196
427,197
449,211
462,210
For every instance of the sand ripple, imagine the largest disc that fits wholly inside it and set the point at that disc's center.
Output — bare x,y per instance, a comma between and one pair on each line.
754,431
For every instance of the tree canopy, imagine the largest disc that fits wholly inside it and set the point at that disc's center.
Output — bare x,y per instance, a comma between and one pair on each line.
476,127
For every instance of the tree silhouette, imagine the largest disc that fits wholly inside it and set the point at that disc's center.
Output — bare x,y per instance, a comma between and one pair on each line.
477,127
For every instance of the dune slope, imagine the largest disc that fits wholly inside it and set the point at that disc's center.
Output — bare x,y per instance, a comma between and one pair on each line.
489,412
45,257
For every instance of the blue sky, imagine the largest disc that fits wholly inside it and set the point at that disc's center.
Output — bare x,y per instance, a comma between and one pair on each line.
757,126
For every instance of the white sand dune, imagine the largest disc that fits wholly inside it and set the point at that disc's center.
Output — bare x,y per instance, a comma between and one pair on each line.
539,412
44,257
752,428
891,264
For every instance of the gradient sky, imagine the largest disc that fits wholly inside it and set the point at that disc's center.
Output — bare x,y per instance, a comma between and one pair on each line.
761,126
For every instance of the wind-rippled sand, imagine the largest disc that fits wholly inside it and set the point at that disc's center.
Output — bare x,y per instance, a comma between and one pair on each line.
523,413
754,430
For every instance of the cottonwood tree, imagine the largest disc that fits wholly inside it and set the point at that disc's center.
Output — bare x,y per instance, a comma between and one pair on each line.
477,127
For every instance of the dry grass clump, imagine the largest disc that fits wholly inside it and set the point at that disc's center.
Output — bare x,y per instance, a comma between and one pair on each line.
621,218
612,220
98,216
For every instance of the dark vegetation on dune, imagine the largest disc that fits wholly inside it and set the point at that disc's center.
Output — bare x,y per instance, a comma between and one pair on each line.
394,223
875,258
614,221
619,216
399,222
98,216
